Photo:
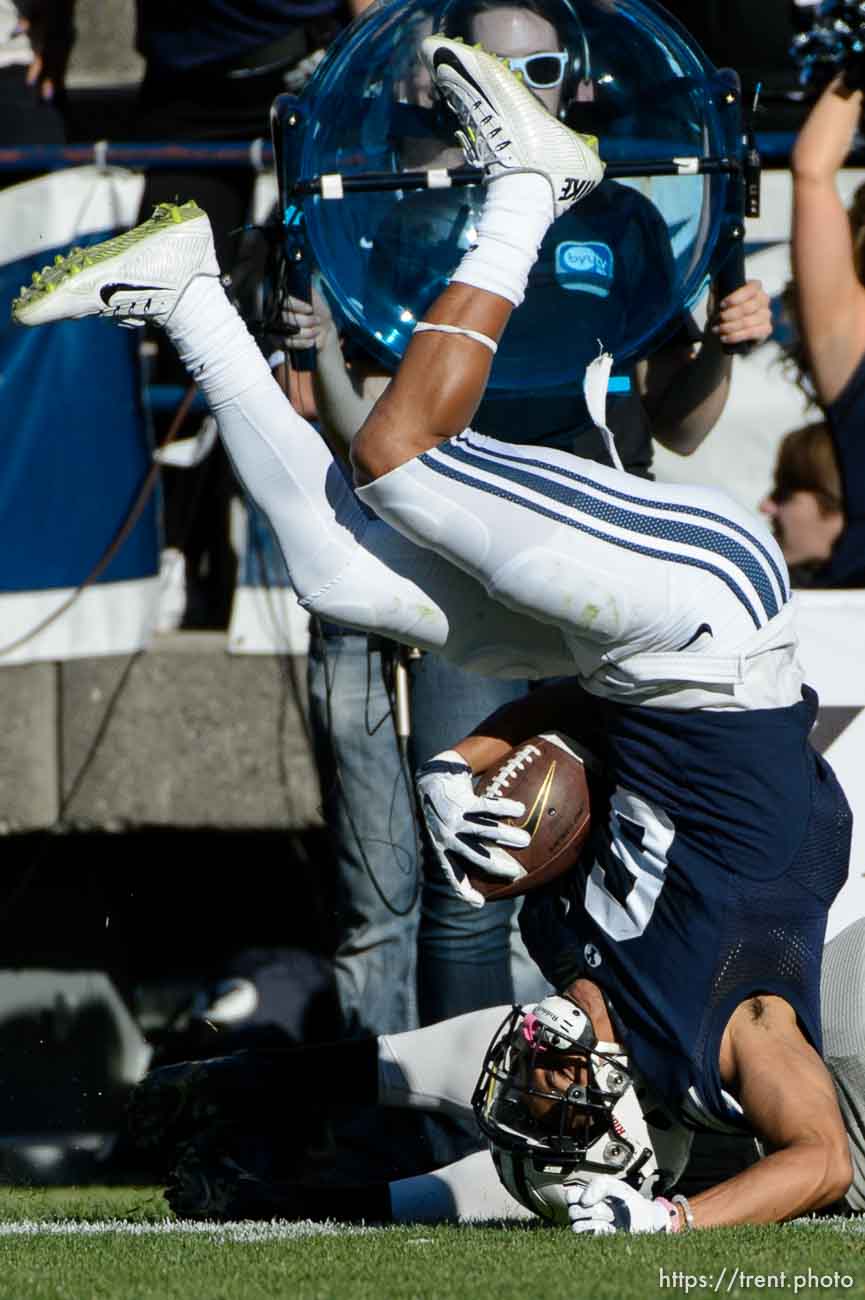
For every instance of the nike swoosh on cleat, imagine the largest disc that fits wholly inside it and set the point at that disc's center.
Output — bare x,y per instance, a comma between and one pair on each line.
446,56
107,291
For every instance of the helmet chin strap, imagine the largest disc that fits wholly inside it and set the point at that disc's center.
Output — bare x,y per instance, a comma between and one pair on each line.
610,1049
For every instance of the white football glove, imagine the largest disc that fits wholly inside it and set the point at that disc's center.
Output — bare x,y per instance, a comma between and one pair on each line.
606,1205
463,825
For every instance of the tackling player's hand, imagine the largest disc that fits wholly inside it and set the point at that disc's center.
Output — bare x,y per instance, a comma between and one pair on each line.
606,1205
464,826
744,316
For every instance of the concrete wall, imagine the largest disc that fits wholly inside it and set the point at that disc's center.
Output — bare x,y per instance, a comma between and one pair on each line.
104,53
183,735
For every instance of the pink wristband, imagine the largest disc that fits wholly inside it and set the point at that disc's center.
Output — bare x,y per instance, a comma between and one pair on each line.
673,1212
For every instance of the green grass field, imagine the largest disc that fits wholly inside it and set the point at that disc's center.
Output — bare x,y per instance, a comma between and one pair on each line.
118,1244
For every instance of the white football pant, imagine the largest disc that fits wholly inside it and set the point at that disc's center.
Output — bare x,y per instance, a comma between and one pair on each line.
512,561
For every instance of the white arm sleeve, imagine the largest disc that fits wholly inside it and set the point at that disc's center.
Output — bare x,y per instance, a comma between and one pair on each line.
349,566
467,1191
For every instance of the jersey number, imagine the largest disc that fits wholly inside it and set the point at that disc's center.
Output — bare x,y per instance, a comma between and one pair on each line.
621,892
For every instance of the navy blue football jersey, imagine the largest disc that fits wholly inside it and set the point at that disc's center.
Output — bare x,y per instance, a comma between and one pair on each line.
726,838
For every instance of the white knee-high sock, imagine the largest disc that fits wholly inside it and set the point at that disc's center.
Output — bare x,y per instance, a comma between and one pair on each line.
214,343
517,213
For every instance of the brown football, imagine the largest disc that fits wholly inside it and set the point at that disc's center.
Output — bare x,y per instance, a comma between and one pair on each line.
547,775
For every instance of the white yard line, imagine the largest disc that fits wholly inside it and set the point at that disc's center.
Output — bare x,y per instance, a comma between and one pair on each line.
241,1232
278,1230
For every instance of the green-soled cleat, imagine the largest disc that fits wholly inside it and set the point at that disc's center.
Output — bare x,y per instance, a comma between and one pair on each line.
136,276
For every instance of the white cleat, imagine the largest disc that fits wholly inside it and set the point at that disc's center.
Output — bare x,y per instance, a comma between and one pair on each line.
503,126
134,277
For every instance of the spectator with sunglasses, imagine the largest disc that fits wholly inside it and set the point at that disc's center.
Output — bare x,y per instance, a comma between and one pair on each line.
817,503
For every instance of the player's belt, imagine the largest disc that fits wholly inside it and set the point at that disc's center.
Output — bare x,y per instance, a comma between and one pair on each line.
703,670
709,669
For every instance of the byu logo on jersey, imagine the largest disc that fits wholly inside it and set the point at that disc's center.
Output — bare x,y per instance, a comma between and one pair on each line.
585,267
592,956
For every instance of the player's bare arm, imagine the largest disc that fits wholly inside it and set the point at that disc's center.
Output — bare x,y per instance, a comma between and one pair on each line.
546,709
438,386
788,1097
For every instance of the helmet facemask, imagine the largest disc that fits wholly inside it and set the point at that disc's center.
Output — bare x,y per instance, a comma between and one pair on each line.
545,1136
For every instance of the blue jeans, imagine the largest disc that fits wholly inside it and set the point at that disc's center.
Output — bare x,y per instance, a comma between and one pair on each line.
464,954
369,812
401,961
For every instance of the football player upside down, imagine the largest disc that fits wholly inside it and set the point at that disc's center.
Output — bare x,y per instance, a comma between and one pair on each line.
686,944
